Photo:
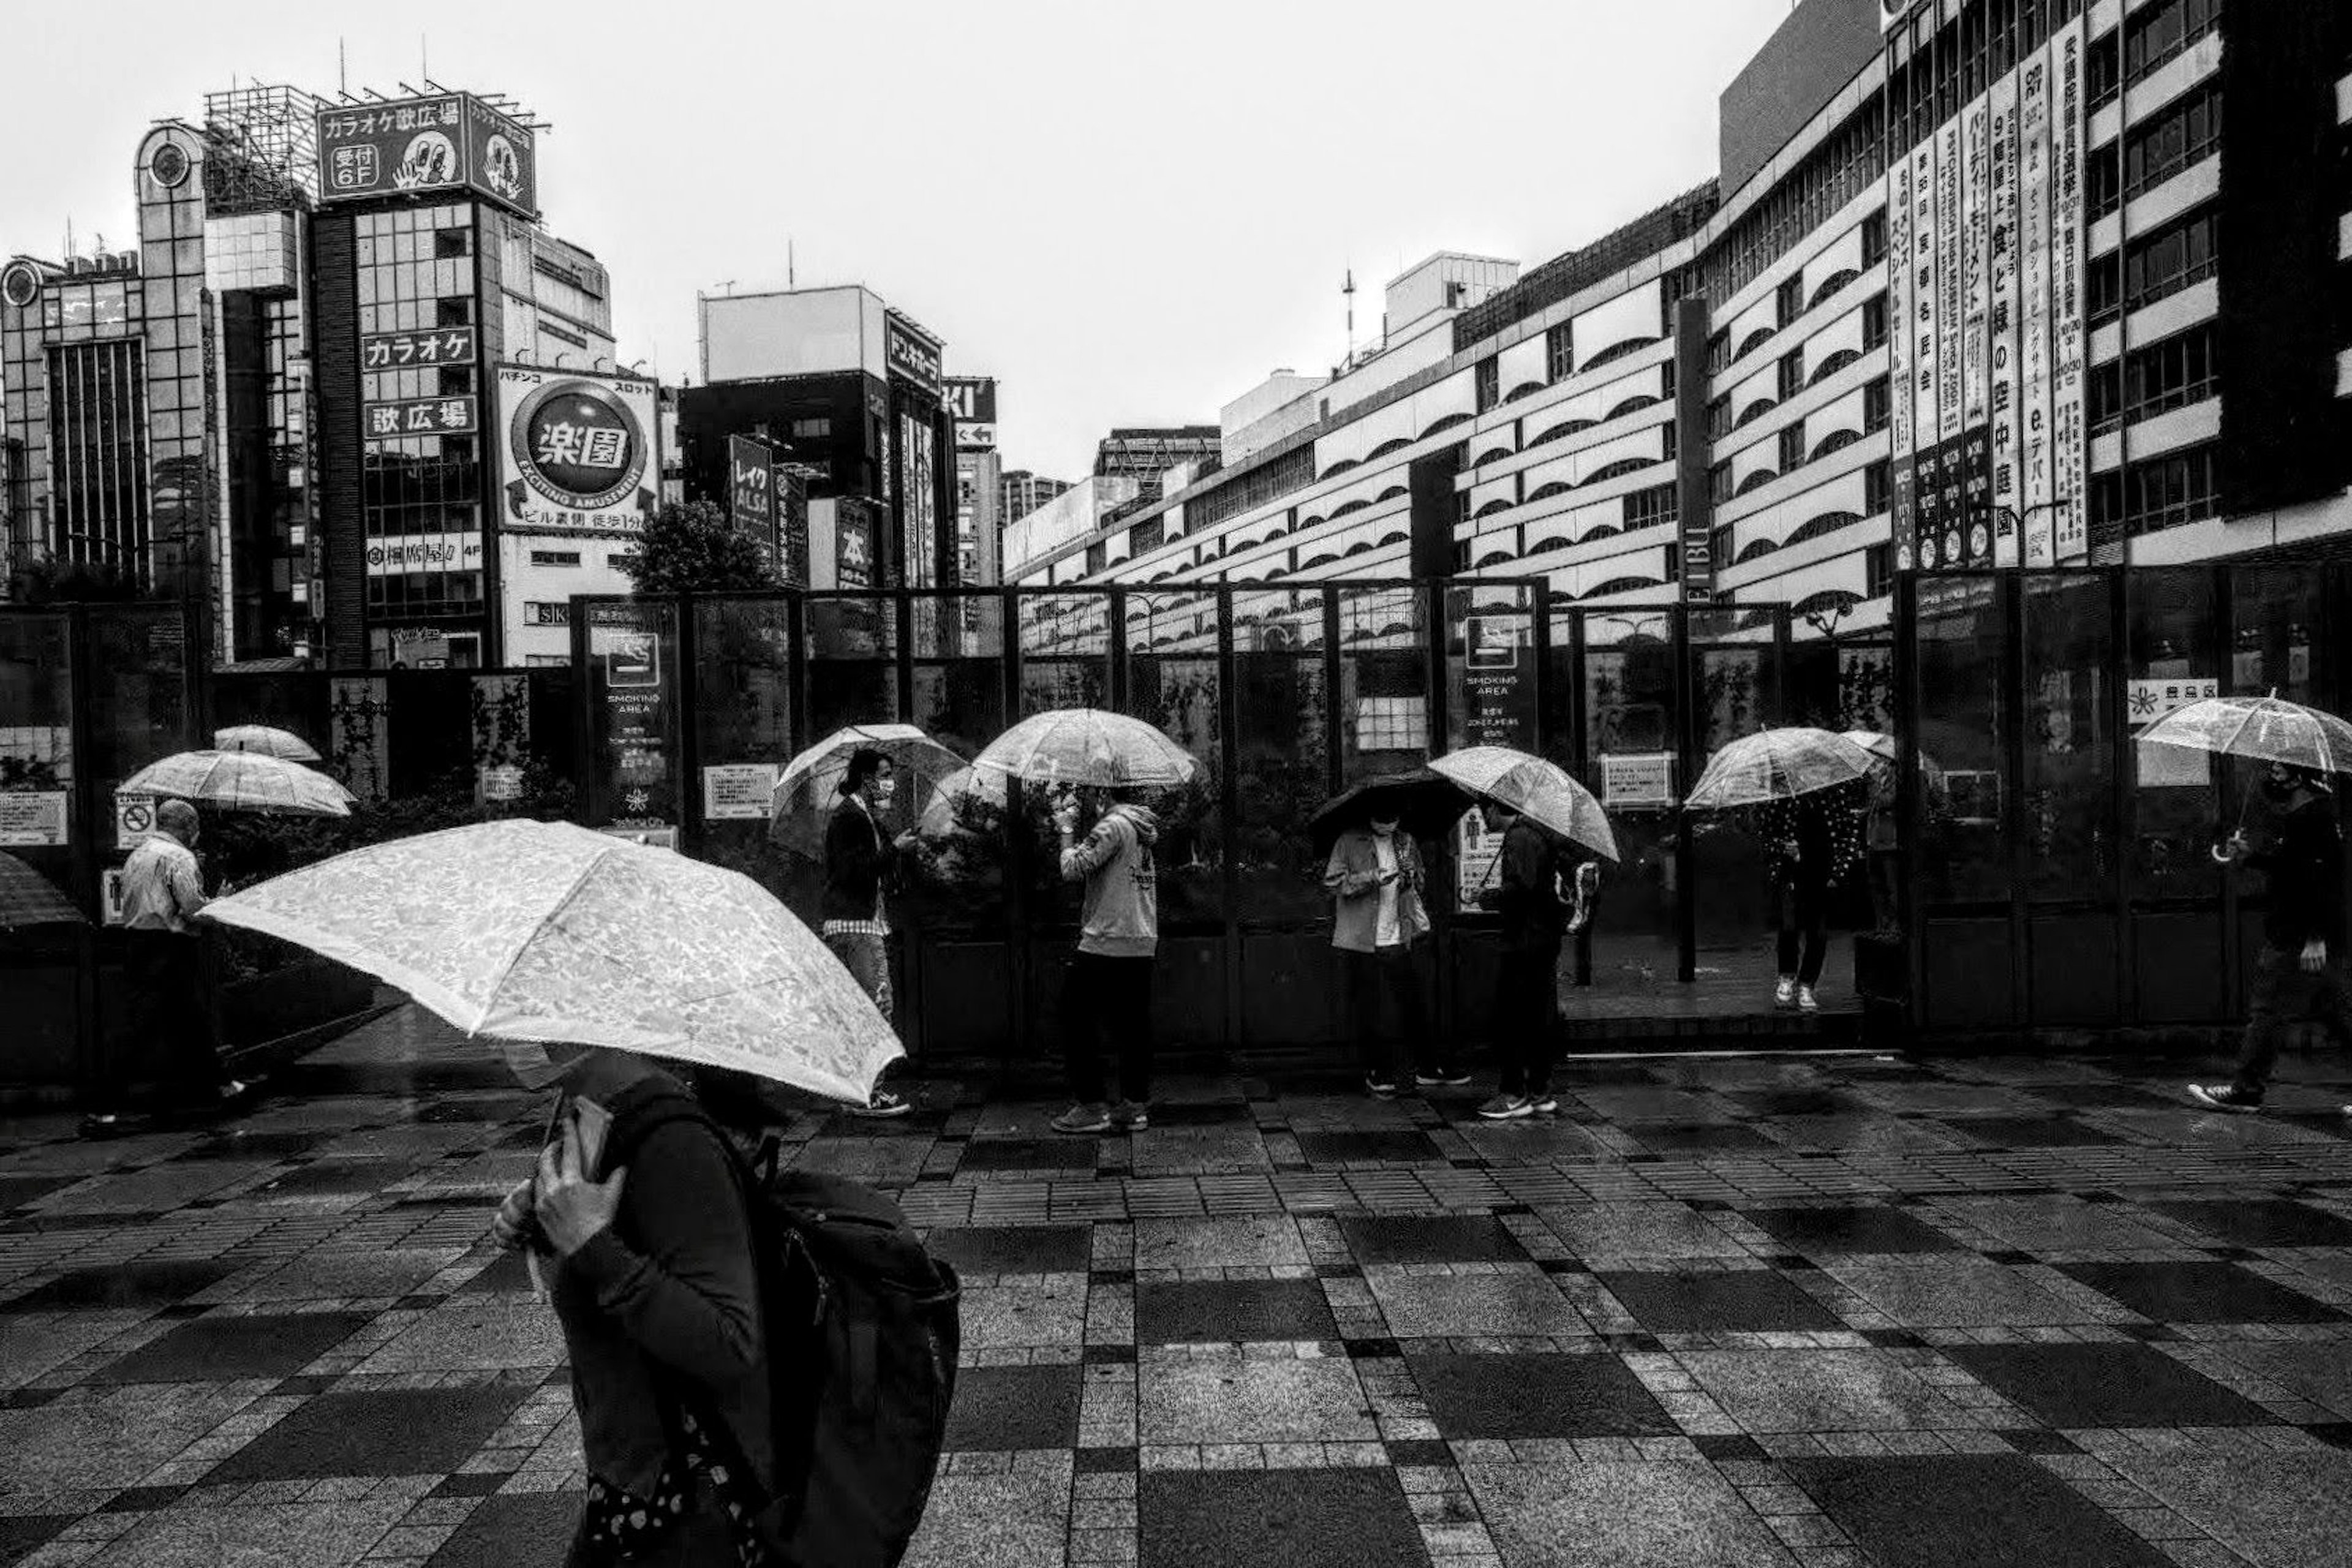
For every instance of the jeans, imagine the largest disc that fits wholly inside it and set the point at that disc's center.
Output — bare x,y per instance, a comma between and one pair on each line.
1800,905
1526,1017
171,1022
1114,994
2285,996
868,958
1389,972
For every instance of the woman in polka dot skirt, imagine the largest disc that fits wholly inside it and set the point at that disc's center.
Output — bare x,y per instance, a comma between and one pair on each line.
1811,842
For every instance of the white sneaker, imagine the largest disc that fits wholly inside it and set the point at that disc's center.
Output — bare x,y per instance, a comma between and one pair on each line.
1805,1003
1785,992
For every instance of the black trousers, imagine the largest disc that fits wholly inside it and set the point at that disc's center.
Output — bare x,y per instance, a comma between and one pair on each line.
176,1056
1387,974
1528,1019
2285,996
1800,904
1113,994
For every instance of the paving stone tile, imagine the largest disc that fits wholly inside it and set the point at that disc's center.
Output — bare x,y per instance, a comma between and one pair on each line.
2319,1371
2073,1386
17,1191
31,1346
1469,1306
1863,1134
1967,1512
531,1531
1225,1397
1807,1100
1013,1408
224,1350
155,1189
316,1535
107,1438
1506,1397
1851,1228
1348,1518
2032,1132
2262,1222
474,1332
1018,1516
1195,1312
1642,1514
1700,1138
1256,1241
2058,1224
1049,1311
1956,1295
508,1275
1029,1154
1354,1147
1711,1301
389,1432
2280,1509
2201,1293
1431,1238
1013,1248
1821,1390
1640,1230
149,1285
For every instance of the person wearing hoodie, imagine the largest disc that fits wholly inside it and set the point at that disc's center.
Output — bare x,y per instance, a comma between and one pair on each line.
1110,982
1375,879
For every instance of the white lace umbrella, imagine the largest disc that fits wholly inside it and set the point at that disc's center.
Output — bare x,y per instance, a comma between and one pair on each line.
2267,729
1087,746
549,932
242,780
263,741
1778,764
809,788
1534,788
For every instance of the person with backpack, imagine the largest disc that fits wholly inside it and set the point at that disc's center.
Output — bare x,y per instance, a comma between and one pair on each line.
1109,981
762,1363
1541,903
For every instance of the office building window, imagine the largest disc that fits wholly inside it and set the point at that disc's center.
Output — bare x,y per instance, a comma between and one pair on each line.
1788,299
1878,570
2180,370
1647,509
2184,135
1877,405
1559,352
1876,487
1874,322
1718,482
555,558
1792,447
2160,32
1874,239
2169,261
2167,491
1791,379
1489,376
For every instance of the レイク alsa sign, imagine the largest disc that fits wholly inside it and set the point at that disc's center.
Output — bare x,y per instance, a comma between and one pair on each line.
579,452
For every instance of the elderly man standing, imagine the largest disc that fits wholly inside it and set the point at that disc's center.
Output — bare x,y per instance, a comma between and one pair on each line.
162,892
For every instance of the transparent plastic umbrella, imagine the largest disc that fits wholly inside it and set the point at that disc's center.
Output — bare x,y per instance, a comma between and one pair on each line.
2266,729
1778,764
1888,749
242,780
1536,789
1087,746
809,787
550,932
263,741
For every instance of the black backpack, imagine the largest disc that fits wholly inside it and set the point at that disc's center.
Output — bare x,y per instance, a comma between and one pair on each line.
862,1331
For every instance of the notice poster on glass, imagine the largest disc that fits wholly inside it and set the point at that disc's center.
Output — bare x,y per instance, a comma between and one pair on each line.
2033,308
2069,446
32,819
2001,362
1637,779
739,792
1476,856
1900,414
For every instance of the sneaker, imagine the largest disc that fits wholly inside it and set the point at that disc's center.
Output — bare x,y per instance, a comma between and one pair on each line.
1545,1104
2224,1096
1785,992
1449,1078
1507,1108
1083,1119
1380,1087
884,1102
1805,1003
1132,1115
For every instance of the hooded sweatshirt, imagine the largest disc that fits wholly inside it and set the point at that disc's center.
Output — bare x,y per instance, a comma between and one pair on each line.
1122,904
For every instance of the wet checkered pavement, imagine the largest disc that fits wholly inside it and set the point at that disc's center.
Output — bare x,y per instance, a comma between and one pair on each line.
1739,1311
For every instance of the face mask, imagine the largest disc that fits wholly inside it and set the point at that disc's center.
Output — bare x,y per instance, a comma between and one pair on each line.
1384,829
884,789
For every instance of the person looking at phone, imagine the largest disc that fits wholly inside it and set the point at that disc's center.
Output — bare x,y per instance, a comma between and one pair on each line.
1379,918
1109,976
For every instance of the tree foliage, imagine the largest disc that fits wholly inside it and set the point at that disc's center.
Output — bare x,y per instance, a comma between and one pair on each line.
697,548
52,581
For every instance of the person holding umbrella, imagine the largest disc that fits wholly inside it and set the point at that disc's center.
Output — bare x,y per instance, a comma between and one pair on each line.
2299,977
1537,919
1109,981
163,893
1378,885
1810,842
859,865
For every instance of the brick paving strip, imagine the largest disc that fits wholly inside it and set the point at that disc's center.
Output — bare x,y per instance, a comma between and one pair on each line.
1827,1311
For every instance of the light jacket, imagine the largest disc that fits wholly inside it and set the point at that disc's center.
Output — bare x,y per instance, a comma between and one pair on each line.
1122,904
1353,875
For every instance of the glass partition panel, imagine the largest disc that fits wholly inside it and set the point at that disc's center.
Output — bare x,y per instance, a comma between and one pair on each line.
2276,610
1384,682
1172,682
957,881
853,663
1734,676
1959,852
743,733
1065,652
37,823
1490,666
1283,769
634,722
2069,755
1631,763
2173,657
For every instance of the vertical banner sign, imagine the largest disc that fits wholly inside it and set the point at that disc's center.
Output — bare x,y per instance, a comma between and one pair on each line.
2001,349
1950,293
1923,332
1898,356
2068,351
750,488
1976,239
2033,308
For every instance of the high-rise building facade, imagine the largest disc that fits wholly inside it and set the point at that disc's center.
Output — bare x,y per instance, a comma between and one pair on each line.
980,477
1019,493
1978,282
157,398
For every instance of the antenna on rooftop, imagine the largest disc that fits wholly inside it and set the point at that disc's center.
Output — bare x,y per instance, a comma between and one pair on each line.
791,270
343,70
1350,290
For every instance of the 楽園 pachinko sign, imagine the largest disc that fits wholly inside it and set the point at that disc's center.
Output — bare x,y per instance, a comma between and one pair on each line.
580,453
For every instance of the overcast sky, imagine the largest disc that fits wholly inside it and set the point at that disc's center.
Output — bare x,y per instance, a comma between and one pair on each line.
1127,213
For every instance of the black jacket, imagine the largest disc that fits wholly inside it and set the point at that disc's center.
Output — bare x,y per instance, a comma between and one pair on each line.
1534,920
2305,868
858,861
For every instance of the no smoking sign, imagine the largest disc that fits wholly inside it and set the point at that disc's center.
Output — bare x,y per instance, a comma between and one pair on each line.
134,820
